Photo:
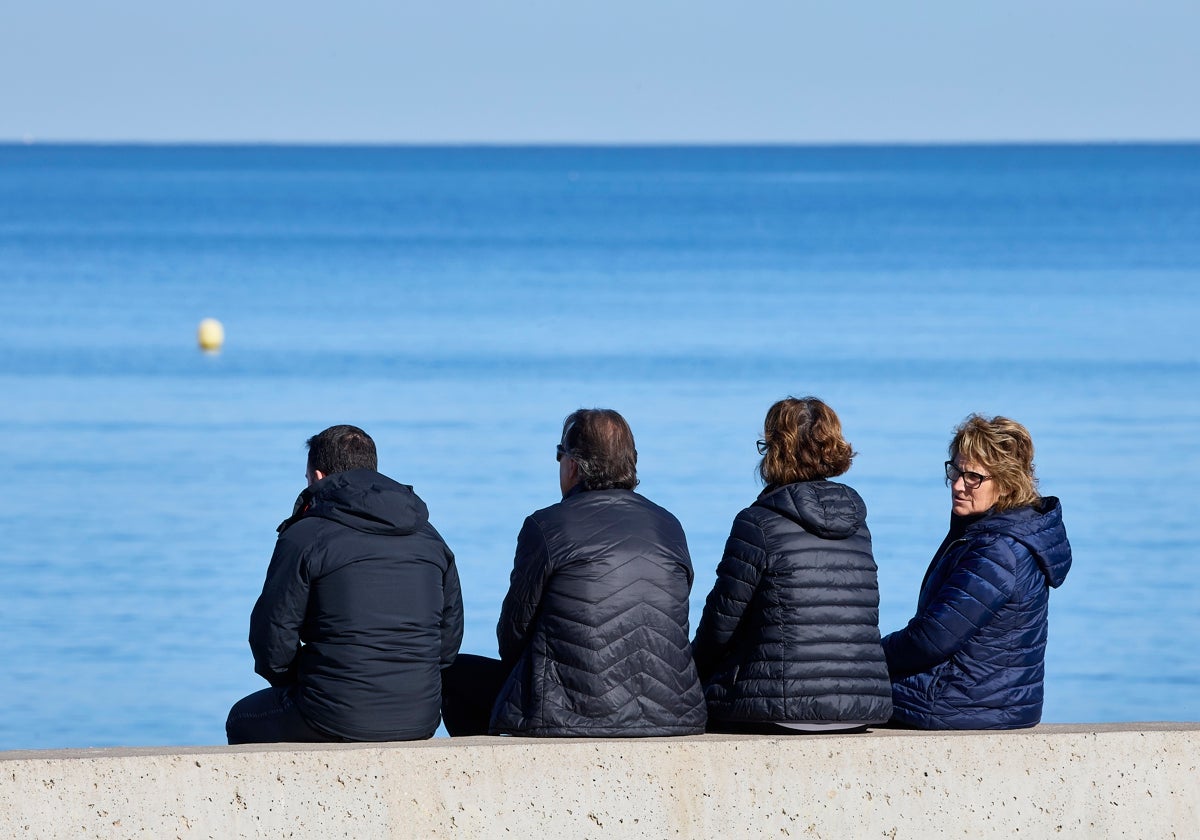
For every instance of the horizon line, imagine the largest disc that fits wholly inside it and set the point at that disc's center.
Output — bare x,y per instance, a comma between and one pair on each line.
588,144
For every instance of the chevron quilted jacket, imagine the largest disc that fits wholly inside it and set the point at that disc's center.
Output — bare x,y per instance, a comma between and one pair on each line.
790,631
973,656
595,623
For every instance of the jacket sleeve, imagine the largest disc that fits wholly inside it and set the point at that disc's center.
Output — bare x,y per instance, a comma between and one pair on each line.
738,576
279,614
982,582
452,612
531,570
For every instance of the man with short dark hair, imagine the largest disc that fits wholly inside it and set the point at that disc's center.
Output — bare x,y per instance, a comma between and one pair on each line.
594,630
360,611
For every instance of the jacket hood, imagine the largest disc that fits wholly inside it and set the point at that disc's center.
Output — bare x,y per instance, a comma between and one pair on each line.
364,500
1040,529
826,509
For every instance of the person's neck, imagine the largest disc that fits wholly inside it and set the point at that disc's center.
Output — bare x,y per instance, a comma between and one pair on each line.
961,522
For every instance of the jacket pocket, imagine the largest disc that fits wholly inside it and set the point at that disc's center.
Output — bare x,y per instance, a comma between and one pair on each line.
948,677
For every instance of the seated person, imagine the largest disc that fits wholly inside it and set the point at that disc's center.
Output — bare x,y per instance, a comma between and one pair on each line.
789,638
594,630
359,613
973,657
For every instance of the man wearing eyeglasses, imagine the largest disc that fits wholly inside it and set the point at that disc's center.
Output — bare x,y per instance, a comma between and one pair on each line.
593,633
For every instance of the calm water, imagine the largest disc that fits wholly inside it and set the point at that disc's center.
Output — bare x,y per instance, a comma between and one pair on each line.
458,302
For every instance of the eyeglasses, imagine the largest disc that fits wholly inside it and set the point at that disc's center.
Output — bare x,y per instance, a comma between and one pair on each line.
971,480
762,447
560,453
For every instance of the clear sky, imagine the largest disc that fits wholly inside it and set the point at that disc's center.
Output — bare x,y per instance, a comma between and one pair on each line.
606,71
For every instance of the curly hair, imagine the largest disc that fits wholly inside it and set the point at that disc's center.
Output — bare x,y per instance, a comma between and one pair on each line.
804,442
601,443
1004,449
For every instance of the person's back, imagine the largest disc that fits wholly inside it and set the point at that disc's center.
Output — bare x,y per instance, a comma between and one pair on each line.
789,638
359,613
806,648
370,668
608,651
593,633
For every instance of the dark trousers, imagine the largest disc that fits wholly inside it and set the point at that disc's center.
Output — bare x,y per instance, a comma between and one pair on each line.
470,687
270,716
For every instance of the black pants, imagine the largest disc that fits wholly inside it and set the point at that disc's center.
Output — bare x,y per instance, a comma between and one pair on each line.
270,716
470,687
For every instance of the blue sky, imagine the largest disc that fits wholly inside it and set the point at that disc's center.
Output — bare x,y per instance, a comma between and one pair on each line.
609,72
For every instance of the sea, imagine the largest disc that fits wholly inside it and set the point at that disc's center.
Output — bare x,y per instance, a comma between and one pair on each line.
458,302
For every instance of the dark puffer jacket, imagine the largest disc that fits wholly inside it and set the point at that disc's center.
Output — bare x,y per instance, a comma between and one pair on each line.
595,623
361,610
973,656
790,631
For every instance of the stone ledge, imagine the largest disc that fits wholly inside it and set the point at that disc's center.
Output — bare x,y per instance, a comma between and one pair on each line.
1126,780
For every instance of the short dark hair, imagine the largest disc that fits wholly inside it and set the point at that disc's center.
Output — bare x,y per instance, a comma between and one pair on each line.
341,448
804,442
601,444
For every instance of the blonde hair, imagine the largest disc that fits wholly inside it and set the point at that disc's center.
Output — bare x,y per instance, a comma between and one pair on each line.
804,442
1004,449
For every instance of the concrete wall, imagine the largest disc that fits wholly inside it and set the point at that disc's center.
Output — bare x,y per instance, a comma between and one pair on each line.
1138,781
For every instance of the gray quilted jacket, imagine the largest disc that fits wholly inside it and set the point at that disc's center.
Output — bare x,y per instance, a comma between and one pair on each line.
790,631
595,623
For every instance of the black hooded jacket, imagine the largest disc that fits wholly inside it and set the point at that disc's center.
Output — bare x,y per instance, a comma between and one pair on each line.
595,623
361,610
790,631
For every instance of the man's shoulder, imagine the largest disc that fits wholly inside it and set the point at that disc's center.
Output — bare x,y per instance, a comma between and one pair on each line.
608,523
326,546
303,531
615,504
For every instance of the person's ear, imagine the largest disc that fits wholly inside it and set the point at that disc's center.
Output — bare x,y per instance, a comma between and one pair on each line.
568,474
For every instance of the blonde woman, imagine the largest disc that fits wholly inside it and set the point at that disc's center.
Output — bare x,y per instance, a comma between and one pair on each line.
973,655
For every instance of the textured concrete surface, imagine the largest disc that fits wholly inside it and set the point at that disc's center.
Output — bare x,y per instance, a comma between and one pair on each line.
1135,780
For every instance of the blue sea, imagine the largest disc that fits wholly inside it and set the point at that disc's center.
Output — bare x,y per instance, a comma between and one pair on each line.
458,302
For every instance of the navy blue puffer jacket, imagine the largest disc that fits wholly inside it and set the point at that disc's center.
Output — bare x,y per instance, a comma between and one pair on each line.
595,623
790,631
973,656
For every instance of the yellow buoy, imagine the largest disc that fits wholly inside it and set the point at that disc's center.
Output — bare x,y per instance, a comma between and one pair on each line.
210,335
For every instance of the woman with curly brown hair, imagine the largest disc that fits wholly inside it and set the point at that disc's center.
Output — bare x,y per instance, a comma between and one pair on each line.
789,638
